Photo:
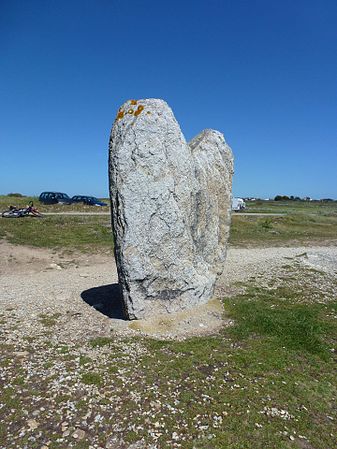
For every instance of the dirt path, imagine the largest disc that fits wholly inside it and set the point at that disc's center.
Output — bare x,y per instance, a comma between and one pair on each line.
77,287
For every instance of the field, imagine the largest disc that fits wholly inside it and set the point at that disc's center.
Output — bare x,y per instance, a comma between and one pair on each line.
6,201
303,223
293,207
72,378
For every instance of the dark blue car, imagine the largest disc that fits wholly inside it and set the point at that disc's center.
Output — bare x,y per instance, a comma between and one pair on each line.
54,198
88,200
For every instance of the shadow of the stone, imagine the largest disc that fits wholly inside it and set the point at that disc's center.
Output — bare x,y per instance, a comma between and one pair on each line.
106,299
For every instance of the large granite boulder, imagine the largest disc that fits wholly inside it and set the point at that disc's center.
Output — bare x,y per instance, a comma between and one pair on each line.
171,208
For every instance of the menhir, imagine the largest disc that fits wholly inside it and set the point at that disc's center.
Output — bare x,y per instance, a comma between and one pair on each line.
171,209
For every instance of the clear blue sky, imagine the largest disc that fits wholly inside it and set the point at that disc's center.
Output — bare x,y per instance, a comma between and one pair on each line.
263,72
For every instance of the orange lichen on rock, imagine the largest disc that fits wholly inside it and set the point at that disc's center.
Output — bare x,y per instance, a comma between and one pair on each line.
139,110
130,111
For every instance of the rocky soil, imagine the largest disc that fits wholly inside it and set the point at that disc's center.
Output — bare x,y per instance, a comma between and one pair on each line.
56,318
78,286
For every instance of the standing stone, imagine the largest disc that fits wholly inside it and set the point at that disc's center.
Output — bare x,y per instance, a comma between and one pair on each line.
171,206
211,216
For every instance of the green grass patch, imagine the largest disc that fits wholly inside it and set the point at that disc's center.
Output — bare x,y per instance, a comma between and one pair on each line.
230,390
222,392
293,207
100,341
47,365
62,398
295,326
85,360
10,399
282,230
92,379
49,320
84,233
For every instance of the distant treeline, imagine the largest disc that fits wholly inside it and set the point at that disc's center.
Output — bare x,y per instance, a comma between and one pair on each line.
297,198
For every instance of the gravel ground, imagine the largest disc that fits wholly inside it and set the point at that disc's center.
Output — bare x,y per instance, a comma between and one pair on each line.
47,321
36,281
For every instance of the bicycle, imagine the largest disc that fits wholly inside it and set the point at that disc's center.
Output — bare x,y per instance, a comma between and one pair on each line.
29,211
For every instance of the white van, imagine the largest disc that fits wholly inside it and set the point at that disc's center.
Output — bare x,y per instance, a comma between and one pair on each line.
238,204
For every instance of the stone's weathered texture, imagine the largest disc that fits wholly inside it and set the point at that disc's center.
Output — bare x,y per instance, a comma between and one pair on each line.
170,209
211,215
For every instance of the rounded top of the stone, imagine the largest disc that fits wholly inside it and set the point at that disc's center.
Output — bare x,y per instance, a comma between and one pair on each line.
156,102
211,131
207,135
148,105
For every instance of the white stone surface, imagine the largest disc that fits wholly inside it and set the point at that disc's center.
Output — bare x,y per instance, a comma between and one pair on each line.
170,209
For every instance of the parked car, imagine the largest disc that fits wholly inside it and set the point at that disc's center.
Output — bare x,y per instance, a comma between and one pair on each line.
87,200
54,198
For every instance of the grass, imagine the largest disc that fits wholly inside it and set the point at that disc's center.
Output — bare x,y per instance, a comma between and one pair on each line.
84,233
305,223
6,201
49,320
285,230
291,207
98,342
267,381
84,360
285,321
276,357
92,379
